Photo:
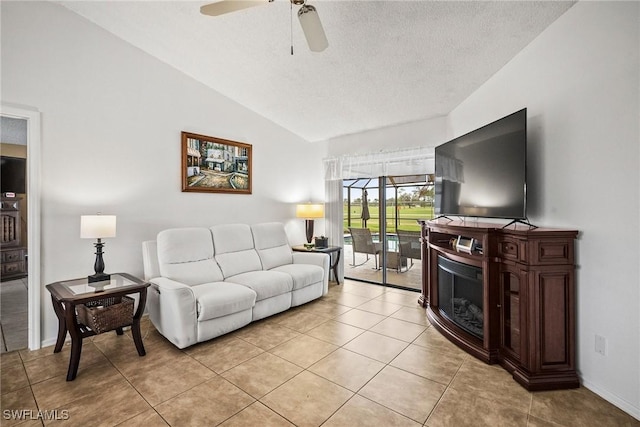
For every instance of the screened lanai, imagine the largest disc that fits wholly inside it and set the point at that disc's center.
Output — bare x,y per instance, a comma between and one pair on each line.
381,231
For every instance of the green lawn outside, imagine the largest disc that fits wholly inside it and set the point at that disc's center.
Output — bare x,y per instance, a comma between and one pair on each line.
407,217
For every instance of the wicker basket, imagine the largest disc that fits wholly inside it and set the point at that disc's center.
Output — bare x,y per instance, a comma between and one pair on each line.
106,314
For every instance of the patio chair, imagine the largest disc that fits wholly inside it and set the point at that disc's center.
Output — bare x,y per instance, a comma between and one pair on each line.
396,260
409,245
363,243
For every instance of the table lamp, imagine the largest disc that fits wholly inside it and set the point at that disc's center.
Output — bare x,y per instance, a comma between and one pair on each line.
309,211
98,227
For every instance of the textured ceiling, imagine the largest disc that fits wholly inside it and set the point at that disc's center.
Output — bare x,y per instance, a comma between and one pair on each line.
13,131
388,62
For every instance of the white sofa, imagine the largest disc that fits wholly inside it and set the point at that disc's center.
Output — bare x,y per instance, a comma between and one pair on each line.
206,282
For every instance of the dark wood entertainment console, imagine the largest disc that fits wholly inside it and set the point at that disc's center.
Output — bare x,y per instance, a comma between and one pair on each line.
526,307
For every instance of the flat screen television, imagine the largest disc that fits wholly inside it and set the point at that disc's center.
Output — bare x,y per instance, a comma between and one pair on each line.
484,172
13,175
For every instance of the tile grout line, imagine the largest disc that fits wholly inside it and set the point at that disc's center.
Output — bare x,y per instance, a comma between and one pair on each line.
438,403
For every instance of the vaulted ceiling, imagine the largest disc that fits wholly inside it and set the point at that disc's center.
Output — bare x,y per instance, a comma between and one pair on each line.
388,62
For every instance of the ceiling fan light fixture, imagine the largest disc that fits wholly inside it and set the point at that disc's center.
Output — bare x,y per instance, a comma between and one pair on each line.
312,28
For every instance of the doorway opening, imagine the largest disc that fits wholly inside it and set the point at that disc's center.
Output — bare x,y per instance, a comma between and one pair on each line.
31,242
14,306
381,229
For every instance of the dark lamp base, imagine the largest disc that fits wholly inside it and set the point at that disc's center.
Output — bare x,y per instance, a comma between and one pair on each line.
309,229
99,277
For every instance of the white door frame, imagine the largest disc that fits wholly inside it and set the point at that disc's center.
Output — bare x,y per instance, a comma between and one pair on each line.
32,116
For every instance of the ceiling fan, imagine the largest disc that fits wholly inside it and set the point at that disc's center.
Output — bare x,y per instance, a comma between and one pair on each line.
307,15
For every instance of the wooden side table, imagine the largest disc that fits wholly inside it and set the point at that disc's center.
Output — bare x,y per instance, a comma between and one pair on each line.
66,295
328,250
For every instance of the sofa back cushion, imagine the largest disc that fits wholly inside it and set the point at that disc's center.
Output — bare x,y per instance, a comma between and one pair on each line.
234,249
186,255
272,244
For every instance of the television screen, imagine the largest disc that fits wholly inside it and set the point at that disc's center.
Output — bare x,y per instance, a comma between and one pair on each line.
13,172
483,173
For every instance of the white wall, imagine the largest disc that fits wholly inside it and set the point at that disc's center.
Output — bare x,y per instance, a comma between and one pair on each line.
111,122
424,133
580,82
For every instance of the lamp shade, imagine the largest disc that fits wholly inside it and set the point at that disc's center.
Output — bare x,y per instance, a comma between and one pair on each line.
310,210
312,28
97,226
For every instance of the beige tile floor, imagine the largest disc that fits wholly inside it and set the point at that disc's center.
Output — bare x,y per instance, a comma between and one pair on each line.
361,356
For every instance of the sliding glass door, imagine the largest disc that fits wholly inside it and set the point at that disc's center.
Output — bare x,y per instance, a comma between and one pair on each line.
361,213
382,235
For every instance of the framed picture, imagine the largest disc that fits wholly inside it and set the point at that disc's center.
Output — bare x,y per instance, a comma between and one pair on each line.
215,165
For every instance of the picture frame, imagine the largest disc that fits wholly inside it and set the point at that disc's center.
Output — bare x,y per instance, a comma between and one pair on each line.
215,165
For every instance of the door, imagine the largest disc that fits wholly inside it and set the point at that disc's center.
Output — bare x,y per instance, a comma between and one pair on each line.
382,235
409,198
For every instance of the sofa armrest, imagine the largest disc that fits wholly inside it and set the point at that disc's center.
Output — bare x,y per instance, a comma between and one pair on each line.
318,259
314,258
172,310
150,259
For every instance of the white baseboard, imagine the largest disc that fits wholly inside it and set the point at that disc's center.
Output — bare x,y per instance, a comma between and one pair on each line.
48,342
627,407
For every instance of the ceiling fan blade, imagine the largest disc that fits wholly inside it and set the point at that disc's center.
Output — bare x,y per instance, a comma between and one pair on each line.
227,6
312,28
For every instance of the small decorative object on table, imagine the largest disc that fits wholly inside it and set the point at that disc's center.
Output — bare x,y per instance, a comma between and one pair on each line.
322,242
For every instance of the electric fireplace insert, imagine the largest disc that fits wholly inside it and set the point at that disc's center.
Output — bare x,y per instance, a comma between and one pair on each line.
460,295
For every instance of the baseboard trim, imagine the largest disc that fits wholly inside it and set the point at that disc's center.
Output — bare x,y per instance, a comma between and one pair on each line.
47,343
622,404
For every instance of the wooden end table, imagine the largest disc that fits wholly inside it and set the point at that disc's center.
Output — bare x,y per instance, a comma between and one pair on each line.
328,250
67,294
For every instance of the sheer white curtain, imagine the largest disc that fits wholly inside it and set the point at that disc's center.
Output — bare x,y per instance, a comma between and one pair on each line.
410,161
333,218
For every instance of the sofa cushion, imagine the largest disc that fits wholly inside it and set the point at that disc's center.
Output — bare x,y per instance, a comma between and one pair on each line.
232,238
186,255
220,299
303,275
272,244
235,252
266,284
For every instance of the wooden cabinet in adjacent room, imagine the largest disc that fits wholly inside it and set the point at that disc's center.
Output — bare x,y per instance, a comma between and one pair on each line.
13,253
